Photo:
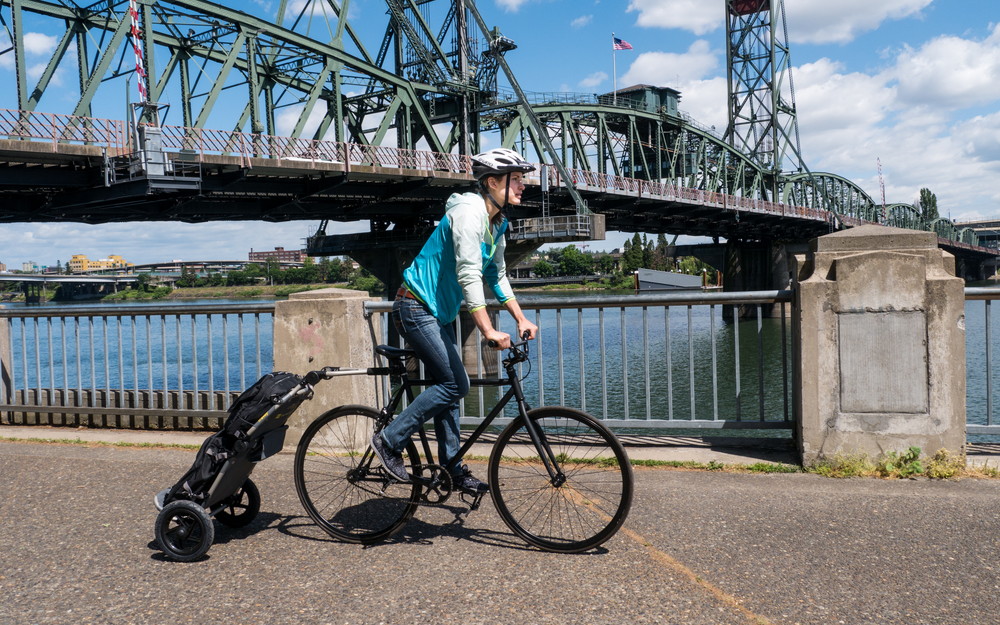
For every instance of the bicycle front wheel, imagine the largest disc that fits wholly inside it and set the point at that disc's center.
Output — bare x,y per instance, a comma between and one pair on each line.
341,483
576,503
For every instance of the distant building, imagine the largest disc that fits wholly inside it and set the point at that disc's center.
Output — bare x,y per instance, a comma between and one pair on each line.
279,254
3,268
30,267
79,263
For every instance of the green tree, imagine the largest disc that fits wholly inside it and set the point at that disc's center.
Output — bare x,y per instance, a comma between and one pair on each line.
544,269
142,281
632,256
310,272
361,280
927,205
573,262
340,270
604,263
188,278
647,253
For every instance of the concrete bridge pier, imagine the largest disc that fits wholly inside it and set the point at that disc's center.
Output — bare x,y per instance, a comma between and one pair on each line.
879,334
758,266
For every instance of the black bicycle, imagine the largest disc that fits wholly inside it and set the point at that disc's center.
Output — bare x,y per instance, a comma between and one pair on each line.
559,478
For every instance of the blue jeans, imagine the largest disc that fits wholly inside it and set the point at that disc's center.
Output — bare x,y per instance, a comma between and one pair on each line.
435,346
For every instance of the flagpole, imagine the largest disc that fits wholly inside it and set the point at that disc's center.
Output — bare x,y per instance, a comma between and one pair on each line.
614,72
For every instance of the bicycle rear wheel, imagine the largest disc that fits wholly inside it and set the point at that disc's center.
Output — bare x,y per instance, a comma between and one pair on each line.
589,498
341,483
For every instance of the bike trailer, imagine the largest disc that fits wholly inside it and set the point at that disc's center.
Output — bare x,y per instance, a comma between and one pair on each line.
218,483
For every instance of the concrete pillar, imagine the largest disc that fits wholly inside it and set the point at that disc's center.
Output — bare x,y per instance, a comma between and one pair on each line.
880,345
322,328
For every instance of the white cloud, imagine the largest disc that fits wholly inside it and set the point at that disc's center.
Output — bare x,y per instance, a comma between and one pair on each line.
705,101
511,5
822,21
594,80
812,21
980,137
581,21
951,72
698,16
851,121
37,43
668,68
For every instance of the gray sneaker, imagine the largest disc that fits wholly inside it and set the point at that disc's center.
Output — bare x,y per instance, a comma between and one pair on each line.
391,460
467,483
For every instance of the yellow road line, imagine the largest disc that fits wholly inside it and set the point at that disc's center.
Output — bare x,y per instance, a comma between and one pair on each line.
712,589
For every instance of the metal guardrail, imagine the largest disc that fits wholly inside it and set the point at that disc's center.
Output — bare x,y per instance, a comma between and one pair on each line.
658,361
133,366
653,361
979,358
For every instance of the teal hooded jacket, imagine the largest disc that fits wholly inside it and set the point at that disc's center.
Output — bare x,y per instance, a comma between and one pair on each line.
462,253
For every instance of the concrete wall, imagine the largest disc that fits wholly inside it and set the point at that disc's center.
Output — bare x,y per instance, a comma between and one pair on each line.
880,345
322,328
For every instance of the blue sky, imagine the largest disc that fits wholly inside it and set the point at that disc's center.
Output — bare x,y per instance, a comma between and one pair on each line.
914,84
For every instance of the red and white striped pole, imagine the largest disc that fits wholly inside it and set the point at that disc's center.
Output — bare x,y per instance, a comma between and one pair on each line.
140,71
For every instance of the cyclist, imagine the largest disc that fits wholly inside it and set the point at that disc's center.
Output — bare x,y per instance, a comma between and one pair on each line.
466,249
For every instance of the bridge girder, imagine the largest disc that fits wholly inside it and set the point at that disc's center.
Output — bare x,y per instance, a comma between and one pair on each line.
229,69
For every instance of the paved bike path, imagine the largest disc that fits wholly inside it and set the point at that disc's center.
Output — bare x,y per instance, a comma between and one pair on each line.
700,547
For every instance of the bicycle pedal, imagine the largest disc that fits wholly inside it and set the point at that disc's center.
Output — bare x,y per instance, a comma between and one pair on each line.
475,499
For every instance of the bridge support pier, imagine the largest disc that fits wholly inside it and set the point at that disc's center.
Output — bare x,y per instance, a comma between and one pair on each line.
758,266
879,333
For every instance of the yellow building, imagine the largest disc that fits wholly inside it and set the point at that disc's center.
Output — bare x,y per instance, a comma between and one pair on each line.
79,263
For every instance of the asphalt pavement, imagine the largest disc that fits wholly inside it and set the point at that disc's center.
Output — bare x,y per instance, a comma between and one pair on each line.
699,547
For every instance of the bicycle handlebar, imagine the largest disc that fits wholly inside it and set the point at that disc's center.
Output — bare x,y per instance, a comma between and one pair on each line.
521,343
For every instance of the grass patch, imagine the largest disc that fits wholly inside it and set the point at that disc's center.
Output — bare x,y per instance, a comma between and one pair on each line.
80,441
943,465
757,467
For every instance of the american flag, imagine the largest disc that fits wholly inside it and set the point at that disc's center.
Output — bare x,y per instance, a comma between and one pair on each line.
621,44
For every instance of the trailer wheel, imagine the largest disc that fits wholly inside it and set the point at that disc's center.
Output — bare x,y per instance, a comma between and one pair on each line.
184,530
242,507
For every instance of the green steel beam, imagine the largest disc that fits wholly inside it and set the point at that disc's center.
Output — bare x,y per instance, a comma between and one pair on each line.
101,68
220,80
50,68
20,68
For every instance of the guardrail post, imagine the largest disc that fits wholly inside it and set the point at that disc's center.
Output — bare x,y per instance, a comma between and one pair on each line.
6,374
879,329
315,329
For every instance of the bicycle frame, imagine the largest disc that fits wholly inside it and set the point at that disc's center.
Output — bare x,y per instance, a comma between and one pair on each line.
515,392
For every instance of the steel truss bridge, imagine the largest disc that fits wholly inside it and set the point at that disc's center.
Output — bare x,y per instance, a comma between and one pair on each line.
375,133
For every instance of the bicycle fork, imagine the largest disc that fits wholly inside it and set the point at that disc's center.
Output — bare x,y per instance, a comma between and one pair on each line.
556,476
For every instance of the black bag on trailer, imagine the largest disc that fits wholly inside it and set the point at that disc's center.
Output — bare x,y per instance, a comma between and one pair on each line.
252,403
247,410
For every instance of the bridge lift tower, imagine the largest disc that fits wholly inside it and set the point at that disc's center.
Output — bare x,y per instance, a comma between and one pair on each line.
762,120
762,123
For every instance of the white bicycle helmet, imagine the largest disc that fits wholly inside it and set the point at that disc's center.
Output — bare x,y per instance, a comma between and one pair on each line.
498,162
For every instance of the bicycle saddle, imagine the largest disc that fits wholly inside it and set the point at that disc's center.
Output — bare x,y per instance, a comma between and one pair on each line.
393,352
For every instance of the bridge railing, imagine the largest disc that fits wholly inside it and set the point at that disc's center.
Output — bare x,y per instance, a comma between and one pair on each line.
197,142
651,362
192,144
62,129
665,190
